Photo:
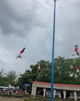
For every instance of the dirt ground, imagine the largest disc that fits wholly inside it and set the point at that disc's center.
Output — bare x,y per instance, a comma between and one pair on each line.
10,99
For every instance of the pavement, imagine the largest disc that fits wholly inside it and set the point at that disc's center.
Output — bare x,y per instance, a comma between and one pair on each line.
11,99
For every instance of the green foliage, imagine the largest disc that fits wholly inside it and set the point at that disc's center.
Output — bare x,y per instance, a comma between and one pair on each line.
3,80
38,96
1,72
64,72
11,77
27,95
46,99
18,96
5,95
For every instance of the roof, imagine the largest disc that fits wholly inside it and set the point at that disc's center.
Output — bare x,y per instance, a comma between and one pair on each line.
3,87
55,84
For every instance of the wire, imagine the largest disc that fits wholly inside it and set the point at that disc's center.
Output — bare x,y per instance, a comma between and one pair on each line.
46,31
65,28
67,25
37,24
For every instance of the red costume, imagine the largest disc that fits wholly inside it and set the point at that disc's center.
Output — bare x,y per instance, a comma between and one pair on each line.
76,49
77,70
22,51
19,56
39,67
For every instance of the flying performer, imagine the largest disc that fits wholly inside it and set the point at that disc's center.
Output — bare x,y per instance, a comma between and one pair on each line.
77,70
39,67
76,50
19,56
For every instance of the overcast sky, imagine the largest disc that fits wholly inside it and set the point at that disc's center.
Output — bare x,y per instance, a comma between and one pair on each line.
29,24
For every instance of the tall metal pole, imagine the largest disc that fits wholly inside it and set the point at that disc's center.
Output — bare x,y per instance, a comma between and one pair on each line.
52,75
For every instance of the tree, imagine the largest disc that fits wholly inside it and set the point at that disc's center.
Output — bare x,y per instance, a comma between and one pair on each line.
3,80
43,75
1,72
25,78
64,72
11,77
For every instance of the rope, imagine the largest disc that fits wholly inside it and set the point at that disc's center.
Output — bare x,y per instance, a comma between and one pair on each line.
37,24
46,31
67,25
65,28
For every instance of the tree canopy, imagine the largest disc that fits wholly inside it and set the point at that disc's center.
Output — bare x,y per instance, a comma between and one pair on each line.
64,72
6,79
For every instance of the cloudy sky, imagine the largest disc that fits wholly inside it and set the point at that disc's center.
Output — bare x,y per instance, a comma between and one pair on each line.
29,24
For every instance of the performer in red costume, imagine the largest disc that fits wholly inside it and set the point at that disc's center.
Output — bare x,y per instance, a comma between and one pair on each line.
76,50
19,56
39,67
77,70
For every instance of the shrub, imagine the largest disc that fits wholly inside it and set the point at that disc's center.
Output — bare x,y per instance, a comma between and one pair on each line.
0,94
29,99
38,96
10,95
4,95
47,97
27,95
32,96
18,96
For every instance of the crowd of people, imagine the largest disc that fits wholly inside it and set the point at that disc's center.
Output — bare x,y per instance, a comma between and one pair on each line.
12,91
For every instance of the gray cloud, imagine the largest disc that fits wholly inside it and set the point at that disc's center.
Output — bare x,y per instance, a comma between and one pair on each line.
20,19
15,22
2,65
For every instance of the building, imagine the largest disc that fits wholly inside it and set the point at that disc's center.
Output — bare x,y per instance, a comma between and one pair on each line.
1,87
10,87
60,90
